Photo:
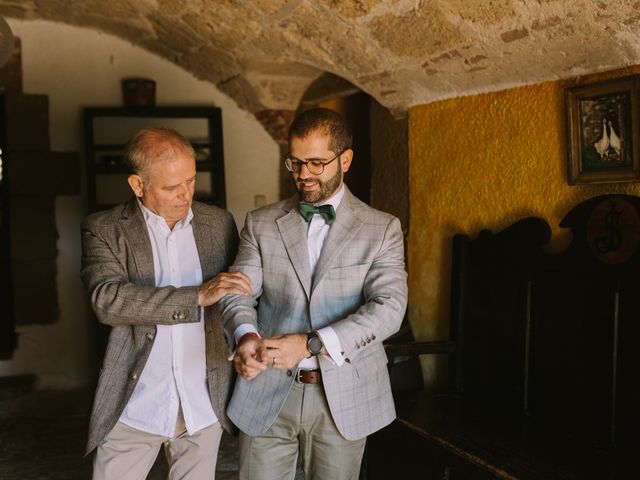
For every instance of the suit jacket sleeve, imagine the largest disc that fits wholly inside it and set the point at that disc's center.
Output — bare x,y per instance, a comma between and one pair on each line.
116,295
239,309
385,297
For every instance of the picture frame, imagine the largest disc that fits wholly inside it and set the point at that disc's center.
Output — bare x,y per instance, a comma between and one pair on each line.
602,132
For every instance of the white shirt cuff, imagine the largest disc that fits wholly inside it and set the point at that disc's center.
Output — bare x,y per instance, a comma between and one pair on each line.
240,332
332,344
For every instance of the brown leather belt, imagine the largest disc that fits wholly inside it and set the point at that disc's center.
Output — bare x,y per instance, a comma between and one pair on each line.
309,376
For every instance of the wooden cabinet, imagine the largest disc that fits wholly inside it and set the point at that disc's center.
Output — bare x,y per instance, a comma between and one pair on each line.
107,130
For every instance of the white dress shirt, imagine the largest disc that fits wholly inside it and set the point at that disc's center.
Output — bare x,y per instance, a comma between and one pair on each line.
176,372
317,231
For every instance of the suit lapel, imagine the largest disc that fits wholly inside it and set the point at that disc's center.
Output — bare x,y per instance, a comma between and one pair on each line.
206,233
135,231
294,236
345,227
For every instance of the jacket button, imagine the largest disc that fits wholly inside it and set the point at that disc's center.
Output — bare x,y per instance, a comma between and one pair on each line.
174,316
150,337
181,316
289,373
134,376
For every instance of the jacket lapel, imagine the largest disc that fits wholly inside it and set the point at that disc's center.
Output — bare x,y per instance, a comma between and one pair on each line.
340,234
206,233
136,234
294,236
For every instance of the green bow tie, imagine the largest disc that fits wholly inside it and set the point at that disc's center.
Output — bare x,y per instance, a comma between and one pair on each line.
307,210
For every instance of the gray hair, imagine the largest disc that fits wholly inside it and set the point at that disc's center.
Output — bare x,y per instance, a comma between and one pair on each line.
155,144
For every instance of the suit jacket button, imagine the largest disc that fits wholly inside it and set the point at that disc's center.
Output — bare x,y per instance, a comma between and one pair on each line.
134,376
181,316
289,373
174,316
150,336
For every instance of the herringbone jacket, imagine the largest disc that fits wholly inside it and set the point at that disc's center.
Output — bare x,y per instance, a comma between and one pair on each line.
117,271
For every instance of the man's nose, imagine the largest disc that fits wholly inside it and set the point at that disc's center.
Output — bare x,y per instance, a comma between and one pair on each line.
183,192
301,173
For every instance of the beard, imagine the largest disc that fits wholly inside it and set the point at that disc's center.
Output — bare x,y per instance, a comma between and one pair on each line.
327,188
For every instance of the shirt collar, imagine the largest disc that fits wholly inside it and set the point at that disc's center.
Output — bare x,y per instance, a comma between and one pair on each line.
154,219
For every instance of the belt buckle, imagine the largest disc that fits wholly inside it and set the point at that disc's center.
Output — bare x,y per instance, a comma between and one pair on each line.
299,376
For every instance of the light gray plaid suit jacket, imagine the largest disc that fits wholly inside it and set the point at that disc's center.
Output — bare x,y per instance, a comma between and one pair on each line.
117,271
359,288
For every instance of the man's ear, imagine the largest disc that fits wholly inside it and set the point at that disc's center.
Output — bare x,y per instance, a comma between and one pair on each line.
136,184
345,159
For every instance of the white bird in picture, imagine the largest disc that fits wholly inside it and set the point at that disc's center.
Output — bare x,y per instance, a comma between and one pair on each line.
614,140
602,145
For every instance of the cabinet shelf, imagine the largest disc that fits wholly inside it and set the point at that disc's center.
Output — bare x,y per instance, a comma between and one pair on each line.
107,130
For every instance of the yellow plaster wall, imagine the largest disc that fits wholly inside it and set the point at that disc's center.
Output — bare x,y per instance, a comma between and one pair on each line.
483,162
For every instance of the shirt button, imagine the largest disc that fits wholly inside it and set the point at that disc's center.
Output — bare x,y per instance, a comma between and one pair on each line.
363,343
289,373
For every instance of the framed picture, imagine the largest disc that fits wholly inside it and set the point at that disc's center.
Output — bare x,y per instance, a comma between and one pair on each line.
602,128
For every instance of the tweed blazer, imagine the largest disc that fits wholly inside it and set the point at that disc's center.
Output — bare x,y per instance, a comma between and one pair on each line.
118,273
359,288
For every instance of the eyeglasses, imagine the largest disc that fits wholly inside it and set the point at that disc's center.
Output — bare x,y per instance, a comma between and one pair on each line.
315,166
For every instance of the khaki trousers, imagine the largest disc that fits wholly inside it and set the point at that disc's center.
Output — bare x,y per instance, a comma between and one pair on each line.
129,454
304,428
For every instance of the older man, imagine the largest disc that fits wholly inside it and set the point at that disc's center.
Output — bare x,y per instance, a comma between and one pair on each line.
329,274
151,267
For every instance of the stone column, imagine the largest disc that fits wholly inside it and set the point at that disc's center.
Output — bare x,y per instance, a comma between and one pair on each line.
276,123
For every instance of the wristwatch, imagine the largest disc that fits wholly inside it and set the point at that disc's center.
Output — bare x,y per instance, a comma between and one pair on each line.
314,344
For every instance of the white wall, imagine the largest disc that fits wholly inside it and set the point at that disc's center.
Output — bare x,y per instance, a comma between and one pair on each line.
78,67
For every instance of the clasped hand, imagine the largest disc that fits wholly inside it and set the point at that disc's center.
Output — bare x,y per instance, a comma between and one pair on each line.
283,352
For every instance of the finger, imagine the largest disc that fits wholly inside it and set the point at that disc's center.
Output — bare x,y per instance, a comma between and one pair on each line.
252,363
240,282
250,376
240,275
262,353
249,373
231,290
235,277
241,288
223,280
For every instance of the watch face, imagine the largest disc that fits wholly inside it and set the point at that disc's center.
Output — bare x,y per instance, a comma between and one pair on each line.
314,344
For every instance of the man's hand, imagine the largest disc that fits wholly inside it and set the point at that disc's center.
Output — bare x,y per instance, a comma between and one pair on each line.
225,283
251,356
287,350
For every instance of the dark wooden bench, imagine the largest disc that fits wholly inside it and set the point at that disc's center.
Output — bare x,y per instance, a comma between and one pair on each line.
544,357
